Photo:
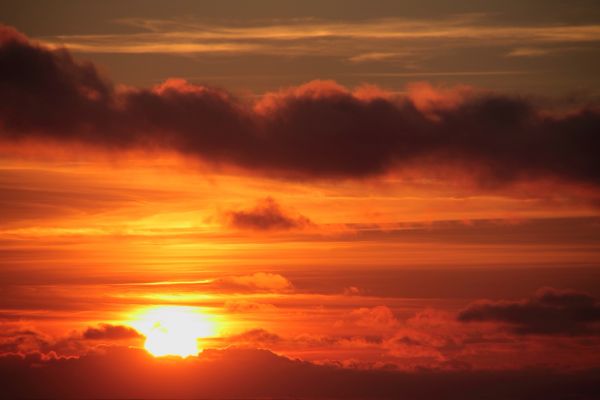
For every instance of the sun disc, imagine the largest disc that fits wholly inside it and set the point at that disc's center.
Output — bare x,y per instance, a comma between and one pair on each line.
173,330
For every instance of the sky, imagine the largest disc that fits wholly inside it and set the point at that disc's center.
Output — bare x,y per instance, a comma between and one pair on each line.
318,199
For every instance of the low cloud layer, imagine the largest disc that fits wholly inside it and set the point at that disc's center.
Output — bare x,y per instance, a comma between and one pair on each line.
250,373
317,130
20,338
548,312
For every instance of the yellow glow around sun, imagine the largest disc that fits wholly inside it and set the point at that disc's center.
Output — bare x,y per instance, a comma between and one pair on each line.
173,330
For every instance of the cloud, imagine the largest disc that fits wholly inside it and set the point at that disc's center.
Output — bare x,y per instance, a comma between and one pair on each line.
267,215
313,131
250,373
9,34
378,317
111,332
19,338
376,56
261,281
548,312
528,52
16,337
302,342
255,337
245,306
352,291
320,37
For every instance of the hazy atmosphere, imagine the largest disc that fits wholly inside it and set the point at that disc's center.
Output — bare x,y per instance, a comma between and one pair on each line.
308,200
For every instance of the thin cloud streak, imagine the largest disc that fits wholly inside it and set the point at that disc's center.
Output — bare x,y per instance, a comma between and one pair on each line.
312,37
440,73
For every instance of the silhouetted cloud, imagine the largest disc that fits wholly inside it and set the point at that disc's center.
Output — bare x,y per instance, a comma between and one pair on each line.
548,312
317,130
110,332
251,373
255,337
267,215
303,342
18,338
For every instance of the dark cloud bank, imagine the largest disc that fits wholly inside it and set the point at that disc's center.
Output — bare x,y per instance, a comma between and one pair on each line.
247,373
549,312
318,130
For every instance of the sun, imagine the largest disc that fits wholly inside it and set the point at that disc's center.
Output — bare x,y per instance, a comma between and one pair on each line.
173,330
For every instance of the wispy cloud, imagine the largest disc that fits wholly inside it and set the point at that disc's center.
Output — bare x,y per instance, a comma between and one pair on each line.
375,56
377,39
528,52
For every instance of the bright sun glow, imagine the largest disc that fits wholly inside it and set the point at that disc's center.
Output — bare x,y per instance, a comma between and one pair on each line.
173,330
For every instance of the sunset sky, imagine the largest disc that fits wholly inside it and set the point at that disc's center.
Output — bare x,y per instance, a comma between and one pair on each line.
312,199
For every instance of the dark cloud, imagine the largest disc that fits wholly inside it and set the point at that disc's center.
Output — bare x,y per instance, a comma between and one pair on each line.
249,373
267,215
111,332
318,130
15,338
18,338
261,337
48,92
548,312
255,336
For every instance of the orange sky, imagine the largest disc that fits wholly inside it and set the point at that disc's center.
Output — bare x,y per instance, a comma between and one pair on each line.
439,218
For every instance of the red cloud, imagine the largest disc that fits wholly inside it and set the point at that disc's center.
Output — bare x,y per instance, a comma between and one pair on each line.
376,317
9,34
